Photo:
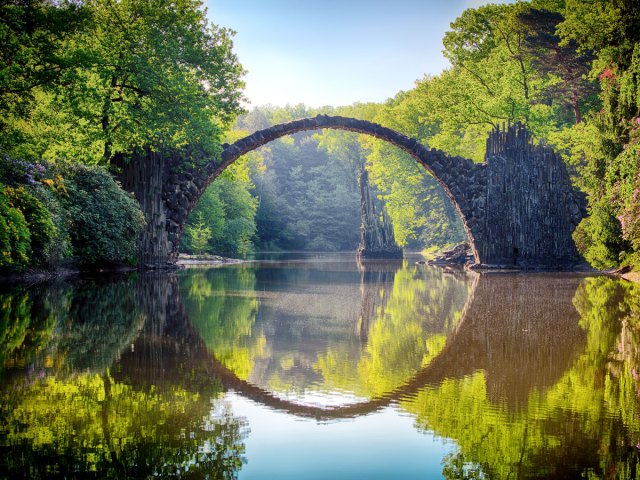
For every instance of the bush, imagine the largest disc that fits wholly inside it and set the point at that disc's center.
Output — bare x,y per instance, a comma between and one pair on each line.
105,221
59,248
39,222
15,238
629,218
598,237
49,213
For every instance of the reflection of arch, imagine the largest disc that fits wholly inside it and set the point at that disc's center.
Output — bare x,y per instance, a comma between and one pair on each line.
521,330
436,371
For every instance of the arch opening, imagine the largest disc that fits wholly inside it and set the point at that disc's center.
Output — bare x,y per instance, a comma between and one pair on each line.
443,168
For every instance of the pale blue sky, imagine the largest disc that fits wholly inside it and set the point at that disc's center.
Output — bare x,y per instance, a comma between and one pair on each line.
336,52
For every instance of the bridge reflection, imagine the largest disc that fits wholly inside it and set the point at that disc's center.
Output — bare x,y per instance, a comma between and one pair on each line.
521,331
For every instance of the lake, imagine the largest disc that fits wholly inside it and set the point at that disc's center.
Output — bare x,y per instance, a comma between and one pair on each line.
318,367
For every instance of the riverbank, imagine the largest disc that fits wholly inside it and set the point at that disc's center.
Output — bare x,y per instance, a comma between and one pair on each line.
63,273
625,272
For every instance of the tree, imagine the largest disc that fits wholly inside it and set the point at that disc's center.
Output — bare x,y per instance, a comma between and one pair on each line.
567,68
609,154
199,235
485,45
34,55
148,74
227,209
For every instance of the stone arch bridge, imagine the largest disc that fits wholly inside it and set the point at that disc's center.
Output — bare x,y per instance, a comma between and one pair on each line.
518,207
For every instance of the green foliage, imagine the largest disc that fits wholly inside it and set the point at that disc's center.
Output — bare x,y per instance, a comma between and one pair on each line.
39,221
569,70
304,186
222,306
630,223
109,429
413,316
422,214
563,68
15,237
28,318
598,236
116,77
105,426
312,195
610,163
14,322
105,220
224,219
34,55
35,190
198,235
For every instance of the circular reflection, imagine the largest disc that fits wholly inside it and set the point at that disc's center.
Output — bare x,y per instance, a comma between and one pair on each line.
325,333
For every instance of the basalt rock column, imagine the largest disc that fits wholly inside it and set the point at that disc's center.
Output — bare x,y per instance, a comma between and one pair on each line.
376,231
531,206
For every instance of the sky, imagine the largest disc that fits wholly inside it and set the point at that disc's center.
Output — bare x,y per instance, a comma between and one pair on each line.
336,52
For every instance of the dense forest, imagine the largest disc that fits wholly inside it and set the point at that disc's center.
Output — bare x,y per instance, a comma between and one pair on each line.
86,85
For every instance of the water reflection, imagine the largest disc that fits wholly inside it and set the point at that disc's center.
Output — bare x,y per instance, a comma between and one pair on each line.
531,376
67,406
566,401
325,334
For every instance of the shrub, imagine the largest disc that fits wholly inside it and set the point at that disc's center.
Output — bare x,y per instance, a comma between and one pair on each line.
598,237
59,248
105,221
20,172
629,218
15,238
39,222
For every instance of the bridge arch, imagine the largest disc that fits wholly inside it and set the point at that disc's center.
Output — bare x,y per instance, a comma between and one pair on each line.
461,179
518,208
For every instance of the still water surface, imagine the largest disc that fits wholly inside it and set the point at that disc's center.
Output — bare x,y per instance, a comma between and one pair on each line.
321,368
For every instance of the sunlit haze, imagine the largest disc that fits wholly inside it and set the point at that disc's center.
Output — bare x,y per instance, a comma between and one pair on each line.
336,52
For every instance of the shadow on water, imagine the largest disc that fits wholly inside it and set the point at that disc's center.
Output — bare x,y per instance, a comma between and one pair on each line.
533,376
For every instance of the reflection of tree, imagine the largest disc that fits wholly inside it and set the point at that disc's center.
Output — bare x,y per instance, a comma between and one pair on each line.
414,314
14,322
103,319
82,325
113,423
580,421
93,426
306,334
222,305
27,322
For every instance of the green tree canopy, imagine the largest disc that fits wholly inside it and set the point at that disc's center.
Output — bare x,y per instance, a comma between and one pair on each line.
145,74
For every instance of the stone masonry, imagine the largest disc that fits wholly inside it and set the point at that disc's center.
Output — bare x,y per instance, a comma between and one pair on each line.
518,207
